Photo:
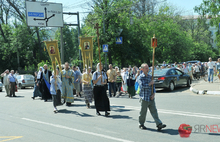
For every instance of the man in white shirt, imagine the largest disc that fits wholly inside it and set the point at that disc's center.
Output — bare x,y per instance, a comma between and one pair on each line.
211,67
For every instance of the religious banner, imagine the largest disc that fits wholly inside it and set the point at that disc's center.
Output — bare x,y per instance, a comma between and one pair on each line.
86,44
53,51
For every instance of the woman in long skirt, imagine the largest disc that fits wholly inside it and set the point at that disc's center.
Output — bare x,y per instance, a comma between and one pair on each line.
87,87
37,92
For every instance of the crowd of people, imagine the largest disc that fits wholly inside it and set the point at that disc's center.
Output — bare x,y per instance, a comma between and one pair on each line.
94,86
197,70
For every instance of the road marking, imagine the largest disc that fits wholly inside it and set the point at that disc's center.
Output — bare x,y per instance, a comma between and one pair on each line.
174,112
9,138
77,130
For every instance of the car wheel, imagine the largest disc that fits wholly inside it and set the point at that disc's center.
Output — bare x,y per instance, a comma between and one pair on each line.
188,83
171,86
0,90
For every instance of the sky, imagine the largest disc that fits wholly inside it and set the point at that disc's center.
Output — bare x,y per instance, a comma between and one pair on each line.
84,6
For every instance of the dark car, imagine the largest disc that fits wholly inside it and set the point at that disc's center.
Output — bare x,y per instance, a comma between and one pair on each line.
170,78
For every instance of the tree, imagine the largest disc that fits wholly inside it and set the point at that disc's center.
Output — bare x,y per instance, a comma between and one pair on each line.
210,9
71,45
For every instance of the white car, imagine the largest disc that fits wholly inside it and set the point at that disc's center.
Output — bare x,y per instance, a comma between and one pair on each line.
1,86
25,80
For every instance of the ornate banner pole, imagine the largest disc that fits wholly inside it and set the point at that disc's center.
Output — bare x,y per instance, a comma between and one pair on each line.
153,45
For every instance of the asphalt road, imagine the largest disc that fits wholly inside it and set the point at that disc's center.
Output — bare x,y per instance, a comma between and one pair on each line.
25,120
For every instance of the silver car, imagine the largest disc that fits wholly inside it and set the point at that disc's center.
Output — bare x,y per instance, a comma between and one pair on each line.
25,80
1,86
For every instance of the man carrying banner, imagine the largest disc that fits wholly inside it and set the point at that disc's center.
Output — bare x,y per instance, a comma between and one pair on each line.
45,76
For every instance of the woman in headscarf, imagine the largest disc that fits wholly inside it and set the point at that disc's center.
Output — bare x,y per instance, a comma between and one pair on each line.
100,96
56,89
37,87
87,87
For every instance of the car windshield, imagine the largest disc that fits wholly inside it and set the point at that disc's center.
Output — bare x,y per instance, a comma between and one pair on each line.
160,72
18,77
28,77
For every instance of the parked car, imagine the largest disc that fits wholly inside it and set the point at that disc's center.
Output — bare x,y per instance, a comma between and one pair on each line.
193,62
170,78
1,86
25,80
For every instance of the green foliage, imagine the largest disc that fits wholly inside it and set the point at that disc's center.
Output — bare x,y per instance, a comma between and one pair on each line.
177,41
42,63
70,40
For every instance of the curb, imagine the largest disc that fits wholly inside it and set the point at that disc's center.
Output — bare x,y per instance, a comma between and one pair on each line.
203,92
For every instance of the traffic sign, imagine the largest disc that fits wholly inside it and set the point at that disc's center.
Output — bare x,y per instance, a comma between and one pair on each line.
105,47
44,14
119,40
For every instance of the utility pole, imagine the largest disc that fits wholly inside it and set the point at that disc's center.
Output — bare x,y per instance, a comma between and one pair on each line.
61,45
78,24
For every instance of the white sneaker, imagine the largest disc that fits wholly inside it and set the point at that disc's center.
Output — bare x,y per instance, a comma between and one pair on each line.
55,110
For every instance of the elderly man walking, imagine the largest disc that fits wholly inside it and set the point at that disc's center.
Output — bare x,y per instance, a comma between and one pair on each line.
12,83
6,82
147,98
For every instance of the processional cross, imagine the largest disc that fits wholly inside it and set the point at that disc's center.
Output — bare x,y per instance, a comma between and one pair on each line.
97,32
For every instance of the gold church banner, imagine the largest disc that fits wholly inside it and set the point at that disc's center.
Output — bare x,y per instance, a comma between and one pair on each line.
53,51
86,44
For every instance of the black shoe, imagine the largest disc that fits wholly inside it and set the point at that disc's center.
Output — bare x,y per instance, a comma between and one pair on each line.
97,113
161,126
107,114
68,104
142,127
33,98
45,100
14,96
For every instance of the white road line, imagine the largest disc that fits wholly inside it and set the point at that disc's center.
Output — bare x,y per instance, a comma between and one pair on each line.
77,130
174,112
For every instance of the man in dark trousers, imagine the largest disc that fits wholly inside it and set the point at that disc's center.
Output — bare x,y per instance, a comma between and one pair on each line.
45,76
12,83
147,98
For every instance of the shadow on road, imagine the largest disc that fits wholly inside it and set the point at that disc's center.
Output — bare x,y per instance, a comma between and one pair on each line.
77,105
165,131
74,112
17,97
212,134
119,109
119,117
